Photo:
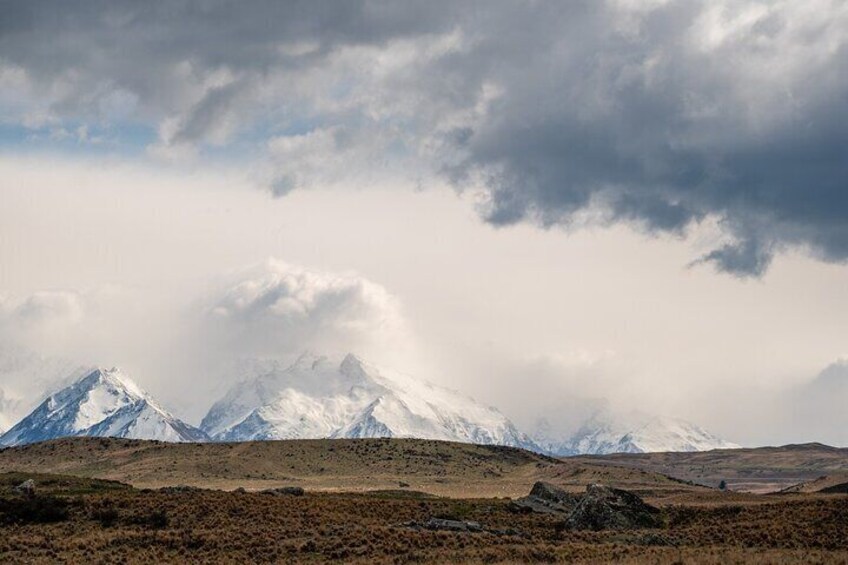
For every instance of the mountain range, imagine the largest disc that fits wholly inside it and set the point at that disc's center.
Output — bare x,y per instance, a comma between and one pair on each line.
317,397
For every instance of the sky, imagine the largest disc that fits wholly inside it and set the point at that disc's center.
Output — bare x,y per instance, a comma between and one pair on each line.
545,205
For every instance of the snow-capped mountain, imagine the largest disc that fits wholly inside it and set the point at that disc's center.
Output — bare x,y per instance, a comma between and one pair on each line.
103,403
318,398
602,434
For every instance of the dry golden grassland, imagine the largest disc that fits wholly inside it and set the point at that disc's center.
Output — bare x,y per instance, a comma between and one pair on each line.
361,498
96,522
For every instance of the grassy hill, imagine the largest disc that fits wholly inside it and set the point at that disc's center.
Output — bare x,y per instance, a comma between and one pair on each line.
437,467
836,482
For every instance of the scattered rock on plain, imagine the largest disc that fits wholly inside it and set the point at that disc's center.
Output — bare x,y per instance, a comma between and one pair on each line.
285,491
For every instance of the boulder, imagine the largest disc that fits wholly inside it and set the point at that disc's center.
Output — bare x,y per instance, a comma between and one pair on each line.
607,508
27,487
440,524
285,491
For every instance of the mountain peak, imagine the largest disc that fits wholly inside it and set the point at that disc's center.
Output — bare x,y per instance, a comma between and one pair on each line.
113,377
102,402
309,360
352,366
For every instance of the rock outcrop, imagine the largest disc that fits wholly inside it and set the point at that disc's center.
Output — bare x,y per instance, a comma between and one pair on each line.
607,508
599,508
547,498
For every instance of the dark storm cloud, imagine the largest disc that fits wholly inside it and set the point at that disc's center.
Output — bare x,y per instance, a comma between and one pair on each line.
663,131
166,53
657,114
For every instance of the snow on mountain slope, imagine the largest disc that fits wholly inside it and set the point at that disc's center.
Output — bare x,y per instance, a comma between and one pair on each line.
103,403
309,399
602,434
316,398
670,434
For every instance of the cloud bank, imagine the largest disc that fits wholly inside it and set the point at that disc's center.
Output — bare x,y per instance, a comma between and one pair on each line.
656,114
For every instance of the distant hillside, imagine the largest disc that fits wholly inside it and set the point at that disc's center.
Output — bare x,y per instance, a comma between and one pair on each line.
762,469
834,483
443,468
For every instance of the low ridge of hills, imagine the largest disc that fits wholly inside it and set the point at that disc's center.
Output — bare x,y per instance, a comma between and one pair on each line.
436,467
834,483
761,469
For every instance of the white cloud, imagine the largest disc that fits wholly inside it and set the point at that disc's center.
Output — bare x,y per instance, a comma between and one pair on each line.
279,309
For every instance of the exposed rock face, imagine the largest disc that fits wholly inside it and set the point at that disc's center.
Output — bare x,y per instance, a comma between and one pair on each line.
547,498
606,508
